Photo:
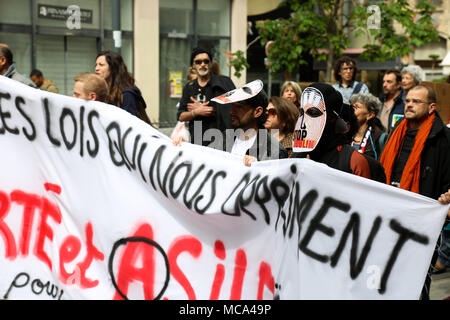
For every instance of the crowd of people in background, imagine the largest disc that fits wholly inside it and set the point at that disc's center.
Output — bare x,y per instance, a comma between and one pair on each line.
397,138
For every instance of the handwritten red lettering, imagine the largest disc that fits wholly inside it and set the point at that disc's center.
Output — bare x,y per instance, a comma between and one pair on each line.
92,253
49,209
30,202
8,237
128,272
265,279
52,187
219,251
68,251
240,265
183,244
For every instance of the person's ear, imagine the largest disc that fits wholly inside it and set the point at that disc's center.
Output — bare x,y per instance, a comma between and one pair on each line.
432,108
92,96
371,116
258,112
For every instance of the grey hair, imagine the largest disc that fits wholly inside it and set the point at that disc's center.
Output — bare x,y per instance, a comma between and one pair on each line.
415,71
372,103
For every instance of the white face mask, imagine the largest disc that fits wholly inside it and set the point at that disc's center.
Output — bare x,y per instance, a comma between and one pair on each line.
311,122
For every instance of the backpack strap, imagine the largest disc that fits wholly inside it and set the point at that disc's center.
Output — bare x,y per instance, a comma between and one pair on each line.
357,88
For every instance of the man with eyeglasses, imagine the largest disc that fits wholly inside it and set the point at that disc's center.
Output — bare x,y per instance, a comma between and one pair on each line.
195,105
345,70
417,154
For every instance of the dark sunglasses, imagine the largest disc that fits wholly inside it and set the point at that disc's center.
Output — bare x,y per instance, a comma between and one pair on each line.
205,61
271,112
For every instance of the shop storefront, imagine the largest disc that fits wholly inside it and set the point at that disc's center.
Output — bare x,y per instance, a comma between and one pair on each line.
44,35
156,40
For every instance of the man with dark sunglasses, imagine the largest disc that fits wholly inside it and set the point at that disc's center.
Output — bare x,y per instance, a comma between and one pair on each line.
195,105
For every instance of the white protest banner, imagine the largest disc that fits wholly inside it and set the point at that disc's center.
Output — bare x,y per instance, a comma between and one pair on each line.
96,204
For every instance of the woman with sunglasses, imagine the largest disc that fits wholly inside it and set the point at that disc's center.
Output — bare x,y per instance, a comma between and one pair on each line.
282,115
123,92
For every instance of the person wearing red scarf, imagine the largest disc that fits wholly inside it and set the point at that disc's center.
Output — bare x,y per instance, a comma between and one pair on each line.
417,154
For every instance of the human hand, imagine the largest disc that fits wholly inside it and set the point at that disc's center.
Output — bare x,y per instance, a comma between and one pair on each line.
248,160
445,199
200,109
177,140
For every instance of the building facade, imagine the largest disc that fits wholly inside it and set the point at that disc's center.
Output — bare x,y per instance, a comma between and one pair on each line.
155,37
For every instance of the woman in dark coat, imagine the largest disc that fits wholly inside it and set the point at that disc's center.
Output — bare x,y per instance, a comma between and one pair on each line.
122,89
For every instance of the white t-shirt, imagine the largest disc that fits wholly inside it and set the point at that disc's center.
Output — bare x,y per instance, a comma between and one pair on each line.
240,147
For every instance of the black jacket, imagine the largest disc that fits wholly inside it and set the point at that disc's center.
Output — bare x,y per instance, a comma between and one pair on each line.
435,160
219,84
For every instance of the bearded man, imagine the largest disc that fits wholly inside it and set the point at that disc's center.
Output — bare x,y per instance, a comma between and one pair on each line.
195,105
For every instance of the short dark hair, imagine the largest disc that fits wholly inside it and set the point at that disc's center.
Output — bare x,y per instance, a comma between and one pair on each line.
7,53
199,50
396,72
431,94
260,100
339,62
36,72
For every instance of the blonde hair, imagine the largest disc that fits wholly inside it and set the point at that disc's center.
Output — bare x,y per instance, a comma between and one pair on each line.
93,83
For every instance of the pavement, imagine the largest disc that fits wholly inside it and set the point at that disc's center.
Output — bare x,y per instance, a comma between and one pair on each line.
440,286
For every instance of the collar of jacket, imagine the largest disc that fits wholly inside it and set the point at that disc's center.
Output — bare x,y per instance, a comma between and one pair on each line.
10,70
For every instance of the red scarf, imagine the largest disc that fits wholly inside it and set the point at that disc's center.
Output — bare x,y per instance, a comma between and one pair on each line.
411,173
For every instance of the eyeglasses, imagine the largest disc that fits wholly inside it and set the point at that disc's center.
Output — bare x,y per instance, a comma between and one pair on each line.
415,101
271,112
347,69
205,61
